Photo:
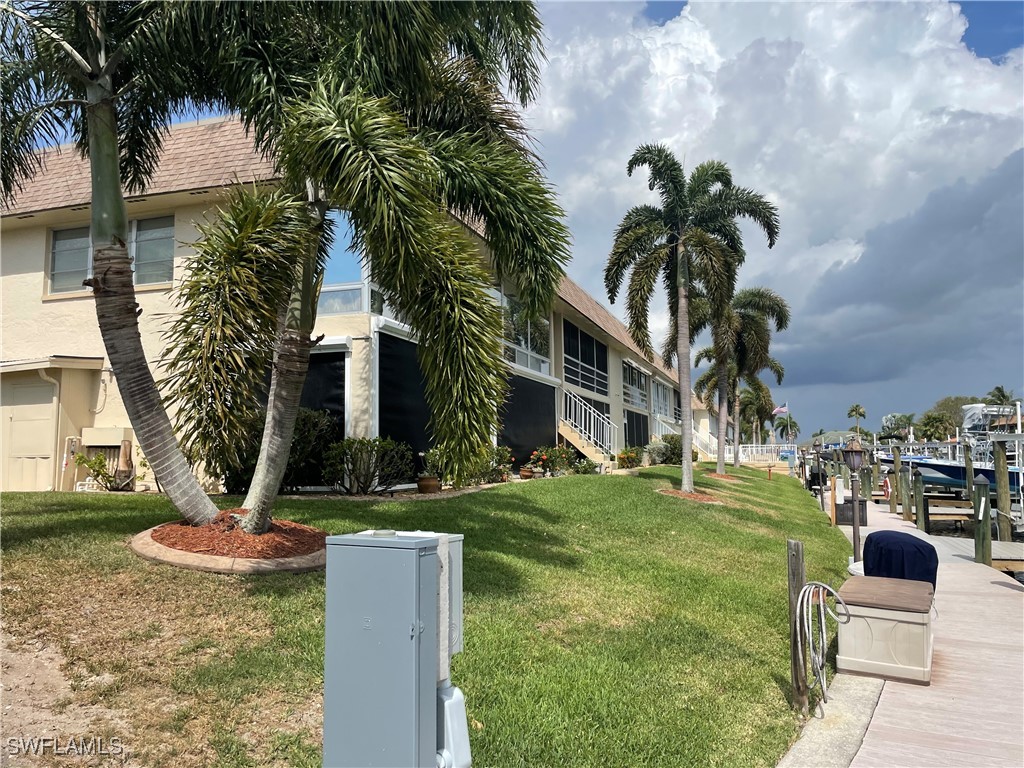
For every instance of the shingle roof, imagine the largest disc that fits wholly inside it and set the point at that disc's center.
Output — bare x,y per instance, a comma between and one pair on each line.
195,156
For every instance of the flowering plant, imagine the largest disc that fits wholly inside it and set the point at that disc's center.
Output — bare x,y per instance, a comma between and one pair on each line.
541,459
628,458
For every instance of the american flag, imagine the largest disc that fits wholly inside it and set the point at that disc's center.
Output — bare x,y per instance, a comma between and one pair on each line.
781,409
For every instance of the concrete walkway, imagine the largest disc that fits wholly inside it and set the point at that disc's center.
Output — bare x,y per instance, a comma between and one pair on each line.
972,714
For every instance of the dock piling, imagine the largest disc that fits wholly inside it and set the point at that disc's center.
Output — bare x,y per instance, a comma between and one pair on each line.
1003,523
919,501
797,663
982,522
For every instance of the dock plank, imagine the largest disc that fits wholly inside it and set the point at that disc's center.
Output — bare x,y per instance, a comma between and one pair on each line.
973,711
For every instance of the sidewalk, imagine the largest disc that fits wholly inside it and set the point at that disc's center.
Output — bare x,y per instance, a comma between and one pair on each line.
972,714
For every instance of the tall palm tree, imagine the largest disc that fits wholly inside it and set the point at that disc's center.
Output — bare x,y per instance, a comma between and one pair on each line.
741,336
691,240
787,428
856,413
756,406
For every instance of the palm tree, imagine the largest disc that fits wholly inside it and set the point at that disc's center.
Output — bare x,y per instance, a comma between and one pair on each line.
115,73
856,413
756,406
742,334
787,428
690,241
999,395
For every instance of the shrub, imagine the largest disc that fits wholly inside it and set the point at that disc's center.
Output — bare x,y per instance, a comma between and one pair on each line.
584,467
361,465
500,464
656,452
314,431
629,458
553,458
110,481
673,449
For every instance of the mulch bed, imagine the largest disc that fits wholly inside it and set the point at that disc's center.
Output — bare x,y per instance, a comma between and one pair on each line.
730,478
701,497
223,537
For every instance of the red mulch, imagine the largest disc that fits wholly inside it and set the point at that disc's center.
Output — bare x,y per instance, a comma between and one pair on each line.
730,478
223,537
701,497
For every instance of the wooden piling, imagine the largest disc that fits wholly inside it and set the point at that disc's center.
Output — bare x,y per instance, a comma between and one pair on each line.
1002,493
897,465
906,494
919,502
969,471
982,522
797,642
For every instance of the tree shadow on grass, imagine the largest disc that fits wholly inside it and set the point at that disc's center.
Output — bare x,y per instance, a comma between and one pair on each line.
500,526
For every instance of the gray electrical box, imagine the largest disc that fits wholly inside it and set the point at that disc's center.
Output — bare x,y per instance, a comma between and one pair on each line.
381,652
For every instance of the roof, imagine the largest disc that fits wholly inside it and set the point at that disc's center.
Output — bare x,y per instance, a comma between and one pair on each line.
53,361
209,153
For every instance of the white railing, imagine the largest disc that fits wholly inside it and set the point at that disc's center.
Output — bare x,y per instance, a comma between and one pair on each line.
704,444
589,422
662,426
759,454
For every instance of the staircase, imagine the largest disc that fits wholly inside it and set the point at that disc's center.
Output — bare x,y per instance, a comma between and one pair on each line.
587,429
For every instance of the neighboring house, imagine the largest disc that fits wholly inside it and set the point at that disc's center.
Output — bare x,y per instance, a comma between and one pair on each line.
576,376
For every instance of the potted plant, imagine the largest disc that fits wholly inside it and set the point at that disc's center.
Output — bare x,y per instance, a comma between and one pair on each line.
526,471
429,480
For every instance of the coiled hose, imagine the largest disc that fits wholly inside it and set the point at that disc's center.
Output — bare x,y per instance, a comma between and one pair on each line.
812,604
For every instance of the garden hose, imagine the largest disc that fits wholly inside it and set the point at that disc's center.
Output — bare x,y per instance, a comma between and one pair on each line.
810,604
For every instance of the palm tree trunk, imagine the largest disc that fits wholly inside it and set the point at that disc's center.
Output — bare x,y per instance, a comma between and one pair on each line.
683,362
291,364
736,424
723,413
117,314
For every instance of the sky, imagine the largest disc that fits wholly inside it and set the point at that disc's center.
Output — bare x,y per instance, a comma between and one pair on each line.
889,135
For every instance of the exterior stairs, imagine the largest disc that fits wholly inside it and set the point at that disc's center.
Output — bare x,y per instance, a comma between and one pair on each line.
584,446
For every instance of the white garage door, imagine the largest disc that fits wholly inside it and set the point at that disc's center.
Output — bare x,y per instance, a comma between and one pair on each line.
28,437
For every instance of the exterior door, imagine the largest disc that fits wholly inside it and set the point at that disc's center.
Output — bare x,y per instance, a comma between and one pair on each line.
28,437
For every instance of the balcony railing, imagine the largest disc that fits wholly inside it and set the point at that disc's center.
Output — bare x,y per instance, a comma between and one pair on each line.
662,425
589,422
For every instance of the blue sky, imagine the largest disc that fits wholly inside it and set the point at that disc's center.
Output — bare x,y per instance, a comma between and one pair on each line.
889,135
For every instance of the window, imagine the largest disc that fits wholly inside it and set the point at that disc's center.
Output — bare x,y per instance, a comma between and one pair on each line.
661,395
150,246
634,386
586,360
527,339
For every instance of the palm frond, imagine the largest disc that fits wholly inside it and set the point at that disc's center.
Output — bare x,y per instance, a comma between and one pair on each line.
665,175
638,234
642,282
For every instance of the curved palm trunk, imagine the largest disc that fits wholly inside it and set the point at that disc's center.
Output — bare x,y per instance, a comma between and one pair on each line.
723,414
117,313
683,361
736,426
291,364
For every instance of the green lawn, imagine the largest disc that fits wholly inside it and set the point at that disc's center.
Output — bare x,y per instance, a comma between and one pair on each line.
605,624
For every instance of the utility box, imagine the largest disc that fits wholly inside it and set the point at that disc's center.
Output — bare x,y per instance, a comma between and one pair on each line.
393,621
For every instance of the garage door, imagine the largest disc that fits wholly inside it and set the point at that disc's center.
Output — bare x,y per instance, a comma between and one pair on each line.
28,437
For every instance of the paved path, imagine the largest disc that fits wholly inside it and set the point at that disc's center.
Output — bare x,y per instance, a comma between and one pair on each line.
972,714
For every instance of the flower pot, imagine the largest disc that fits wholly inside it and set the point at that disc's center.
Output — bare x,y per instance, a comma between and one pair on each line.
525,474
428,485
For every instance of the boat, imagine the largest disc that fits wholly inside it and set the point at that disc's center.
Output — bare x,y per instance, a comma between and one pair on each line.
983,425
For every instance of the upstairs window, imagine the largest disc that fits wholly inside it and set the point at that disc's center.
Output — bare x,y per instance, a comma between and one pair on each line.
635,384
527,339
150,246
661,396
586,360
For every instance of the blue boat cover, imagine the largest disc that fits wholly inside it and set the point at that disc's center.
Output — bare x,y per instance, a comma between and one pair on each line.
897,555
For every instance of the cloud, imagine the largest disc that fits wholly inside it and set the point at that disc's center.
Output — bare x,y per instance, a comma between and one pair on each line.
887,145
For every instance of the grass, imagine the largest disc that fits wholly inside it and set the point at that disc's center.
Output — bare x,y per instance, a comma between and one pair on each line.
602,619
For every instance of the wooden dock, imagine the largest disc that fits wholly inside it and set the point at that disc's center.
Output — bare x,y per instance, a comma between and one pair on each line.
972,714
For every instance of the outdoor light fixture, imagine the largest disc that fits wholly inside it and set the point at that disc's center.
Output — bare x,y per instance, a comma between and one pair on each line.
853,455
816,445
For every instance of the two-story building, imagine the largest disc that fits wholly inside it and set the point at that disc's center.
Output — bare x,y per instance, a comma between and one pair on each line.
575,376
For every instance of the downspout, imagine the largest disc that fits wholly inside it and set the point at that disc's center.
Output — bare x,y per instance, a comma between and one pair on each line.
56,426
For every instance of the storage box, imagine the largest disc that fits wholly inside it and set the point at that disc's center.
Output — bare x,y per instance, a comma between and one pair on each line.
890,630
844,512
